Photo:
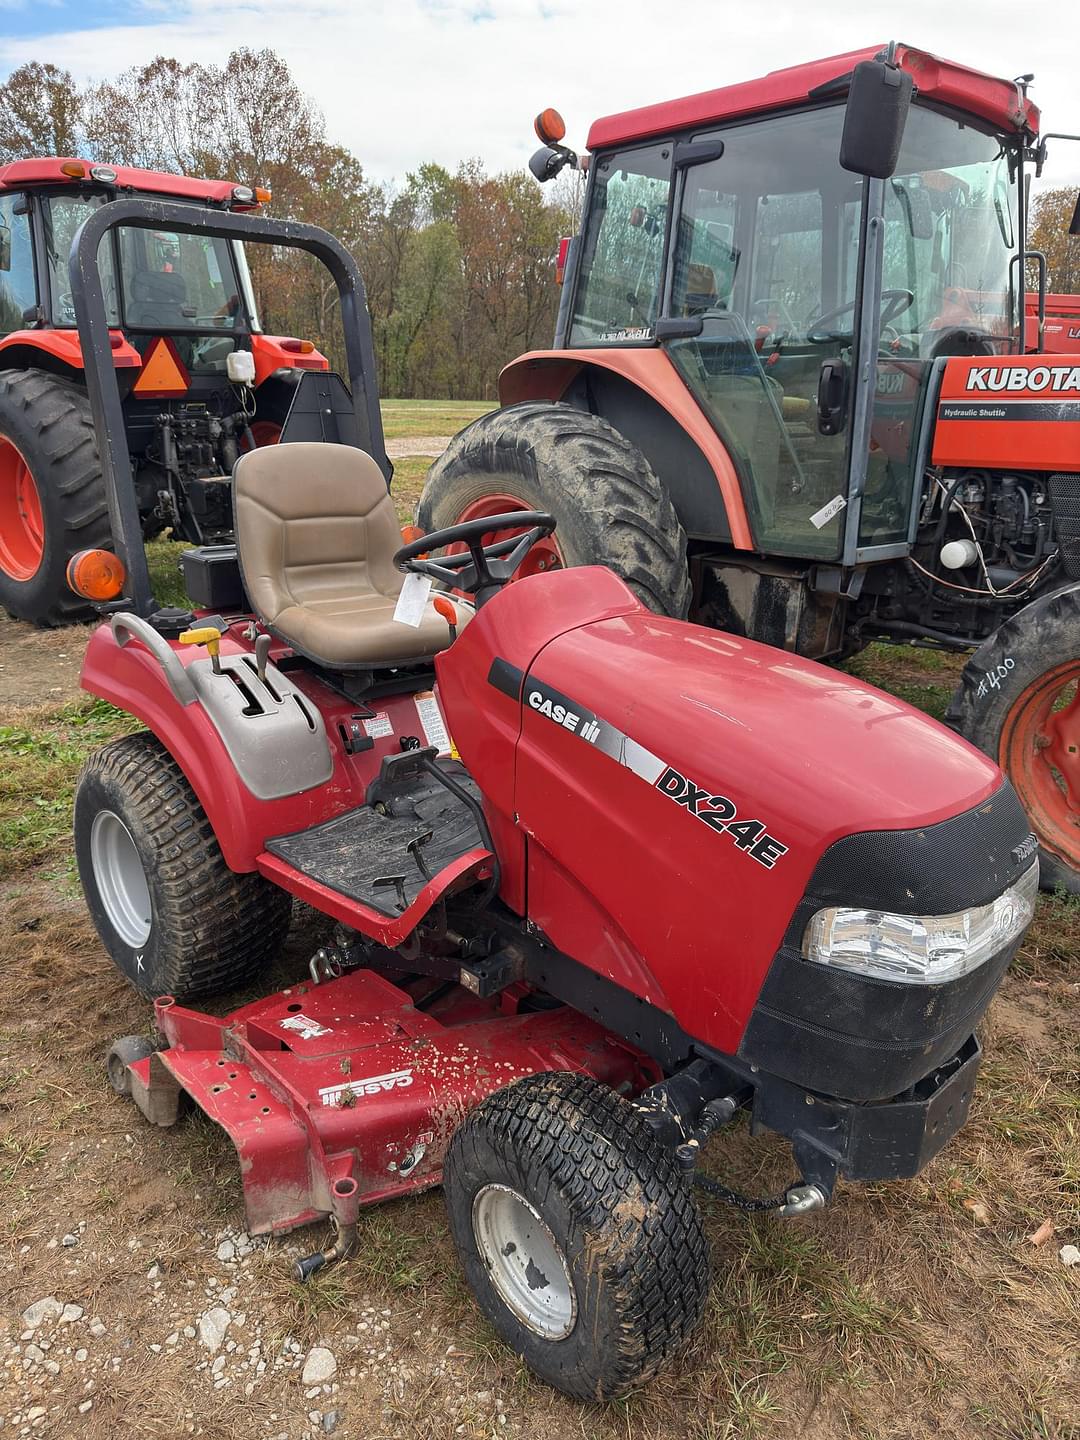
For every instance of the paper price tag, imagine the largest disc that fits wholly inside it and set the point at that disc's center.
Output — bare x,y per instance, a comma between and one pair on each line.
827,512
414,596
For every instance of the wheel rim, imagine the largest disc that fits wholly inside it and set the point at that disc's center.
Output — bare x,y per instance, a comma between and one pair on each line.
1040,750
545,554
524,1261
263,432
22,529
120,879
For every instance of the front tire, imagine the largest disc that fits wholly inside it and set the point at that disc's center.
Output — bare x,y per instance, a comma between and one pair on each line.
611,508
578,1235
173,916
1019,701
52,495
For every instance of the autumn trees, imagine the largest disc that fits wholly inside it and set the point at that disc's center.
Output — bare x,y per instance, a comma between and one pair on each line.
459,268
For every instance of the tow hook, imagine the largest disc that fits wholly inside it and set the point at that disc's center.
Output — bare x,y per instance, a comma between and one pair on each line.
345,1202
801,1199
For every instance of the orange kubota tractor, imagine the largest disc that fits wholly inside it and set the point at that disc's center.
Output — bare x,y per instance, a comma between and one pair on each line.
199,381
790,393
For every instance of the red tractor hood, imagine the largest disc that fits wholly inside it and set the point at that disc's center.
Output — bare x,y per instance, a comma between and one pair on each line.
676,787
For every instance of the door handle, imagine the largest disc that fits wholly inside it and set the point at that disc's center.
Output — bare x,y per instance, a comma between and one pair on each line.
832,393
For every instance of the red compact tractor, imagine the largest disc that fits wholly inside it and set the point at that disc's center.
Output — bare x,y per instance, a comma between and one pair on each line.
789,393
547,985
199,381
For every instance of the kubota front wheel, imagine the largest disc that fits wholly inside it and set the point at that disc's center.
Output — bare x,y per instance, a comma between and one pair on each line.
611,508
1019,700
52,495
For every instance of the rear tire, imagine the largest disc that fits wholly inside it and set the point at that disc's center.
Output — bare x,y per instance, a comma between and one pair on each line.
578,1235
173,916
1005,704
46,426
611,508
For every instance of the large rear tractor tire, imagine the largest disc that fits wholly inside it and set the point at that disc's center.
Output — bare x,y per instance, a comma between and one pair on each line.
173,916
52,495
611,508
1019,700
577,1233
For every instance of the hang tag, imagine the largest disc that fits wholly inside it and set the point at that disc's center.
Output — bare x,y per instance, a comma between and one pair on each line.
827,512
409,609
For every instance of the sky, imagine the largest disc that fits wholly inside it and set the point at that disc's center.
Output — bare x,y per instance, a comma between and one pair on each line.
405,81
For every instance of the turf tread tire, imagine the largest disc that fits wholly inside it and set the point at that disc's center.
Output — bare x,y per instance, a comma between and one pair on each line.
611,507
1038,638
212,927
619,1207
49,419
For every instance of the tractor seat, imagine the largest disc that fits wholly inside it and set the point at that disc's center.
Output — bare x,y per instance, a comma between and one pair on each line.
316,533
157,297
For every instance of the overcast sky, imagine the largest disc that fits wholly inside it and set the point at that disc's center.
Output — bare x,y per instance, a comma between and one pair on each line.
403,81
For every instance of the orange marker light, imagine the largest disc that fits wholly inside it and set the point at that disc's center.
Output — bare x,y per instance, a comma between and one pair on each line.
73,168
96,574
409,533
263,196
549,126
298,347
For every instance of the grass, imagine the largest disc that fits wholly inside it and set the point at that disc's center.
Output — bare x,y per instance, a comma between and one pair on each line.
405,418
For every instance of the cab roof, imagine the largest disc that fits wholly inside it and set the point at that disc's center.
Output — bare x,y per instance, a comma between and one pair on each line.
999,101
21,174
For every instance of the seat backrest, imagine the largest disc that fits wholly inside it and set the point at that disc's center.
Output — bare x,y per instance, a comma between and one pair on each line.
314,522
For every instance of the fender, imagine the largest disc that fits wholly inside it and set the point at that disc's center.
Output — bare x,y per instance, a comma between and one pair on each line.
271,355
18,350
547,374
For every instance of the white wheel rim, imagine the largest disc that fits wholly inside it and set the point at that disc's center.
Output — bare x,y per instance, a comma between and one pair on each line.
525,1263
120,879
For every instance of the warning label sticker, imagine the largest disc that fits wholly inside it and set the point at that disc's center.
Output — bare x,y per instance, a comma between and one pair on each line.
432,722
378,725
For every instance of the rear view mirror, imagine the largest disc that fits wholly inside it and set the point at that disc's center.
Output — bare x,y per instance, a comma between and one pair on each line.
877,109
1074,227
5,248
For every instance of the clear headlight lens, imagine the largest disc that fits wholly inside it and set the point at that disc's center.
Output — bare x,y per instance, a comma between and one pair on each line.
921,949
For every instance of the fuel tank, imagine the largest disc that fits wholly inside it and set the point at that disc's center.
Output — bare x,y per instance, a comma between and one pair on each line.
671,789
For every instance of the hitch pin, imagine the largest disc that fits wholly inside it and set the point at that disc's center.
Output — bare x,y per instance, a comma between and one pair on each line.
801,1199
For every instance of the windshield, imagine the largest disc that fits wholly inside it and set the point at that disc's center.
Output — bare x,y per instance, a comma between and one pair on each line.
169,282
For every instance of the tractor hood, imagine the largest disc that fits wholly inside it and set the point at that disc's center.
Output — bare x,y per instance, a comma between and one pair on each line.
677,787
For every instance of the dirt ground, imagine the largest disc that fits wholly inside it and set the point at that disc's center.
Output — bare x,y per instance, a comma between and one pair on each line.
134,1304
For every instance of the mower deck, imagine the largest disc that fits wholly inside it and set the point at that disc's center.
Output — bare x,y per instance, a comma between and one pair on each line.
351,1081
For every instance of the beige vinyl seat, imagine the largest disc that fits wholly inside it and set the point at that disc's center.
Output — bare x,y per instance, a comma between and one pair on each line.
316,533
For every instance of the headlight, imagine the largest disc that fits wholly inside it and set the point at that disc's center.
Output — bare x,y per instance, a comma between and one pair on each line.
921,949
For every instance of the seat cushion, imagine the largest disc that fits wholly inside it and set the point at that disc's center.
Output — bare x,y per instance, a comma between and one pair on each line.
316,533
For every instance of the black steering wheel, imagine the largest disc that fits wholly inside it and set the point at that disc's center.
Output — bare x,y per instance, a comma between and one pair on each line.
893,304
480,570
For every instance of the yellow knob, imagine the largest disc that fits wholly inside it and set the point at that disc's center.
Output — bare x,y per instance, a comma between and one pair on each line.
204,635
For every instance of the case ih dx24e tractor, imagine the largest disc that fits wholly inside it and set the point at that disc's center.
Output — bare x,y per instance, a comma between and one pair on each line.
602,880
199,381
789,394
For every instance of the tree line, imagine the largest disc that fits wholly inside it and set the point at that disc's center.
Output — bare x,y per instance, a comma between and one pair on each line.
459,267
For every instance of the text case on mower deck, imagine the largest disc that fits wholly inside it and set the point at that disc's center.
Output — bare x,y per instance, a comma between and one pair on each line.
591,901
789,392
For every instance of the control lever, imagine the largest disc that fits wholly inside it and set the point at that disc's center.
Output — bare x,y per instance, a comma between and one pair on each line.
262,654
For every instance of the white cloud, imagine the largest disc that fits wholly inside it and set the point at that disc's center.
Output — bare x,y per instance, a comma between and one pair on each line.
403,81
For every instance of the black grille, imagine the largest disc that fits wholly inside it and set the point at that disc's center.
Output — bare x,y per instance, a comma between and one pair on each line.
1065,499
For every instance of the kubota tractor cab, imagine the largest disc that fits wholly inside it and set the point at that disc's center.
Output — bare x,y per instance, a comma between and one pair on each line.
601,879
789,392
199,380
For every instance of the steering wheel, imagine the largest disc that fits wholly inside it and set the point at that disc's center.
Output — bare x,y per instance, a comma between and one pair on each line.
481,570
893,302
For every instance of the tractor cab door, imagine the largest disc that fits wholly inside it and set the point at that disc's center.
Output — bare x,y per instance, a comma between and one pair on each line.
764,252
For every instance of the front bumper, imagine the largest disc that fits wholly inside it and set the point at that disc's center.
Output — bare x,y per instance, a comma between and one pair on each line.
889,1140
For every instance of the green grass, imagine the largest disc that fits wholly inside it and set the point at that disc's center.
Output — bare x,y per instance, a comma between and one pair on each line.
405,418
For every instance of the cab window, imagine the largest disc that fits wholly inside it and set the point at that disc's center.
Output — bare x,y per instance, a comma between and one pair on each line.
18,288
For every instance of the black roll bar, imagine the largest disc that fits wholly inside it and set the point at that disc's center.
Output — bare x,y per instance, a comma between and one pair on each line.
103,387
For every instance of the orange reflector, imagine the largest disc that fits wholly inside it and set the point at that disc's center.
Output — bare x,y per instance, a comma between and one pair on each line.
409,533
75,168
96,574
561,258
162,372
444,608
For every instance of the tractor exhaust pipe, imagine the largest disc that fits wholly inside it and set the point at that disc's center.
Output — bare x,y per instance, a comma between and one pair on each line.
345,1211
